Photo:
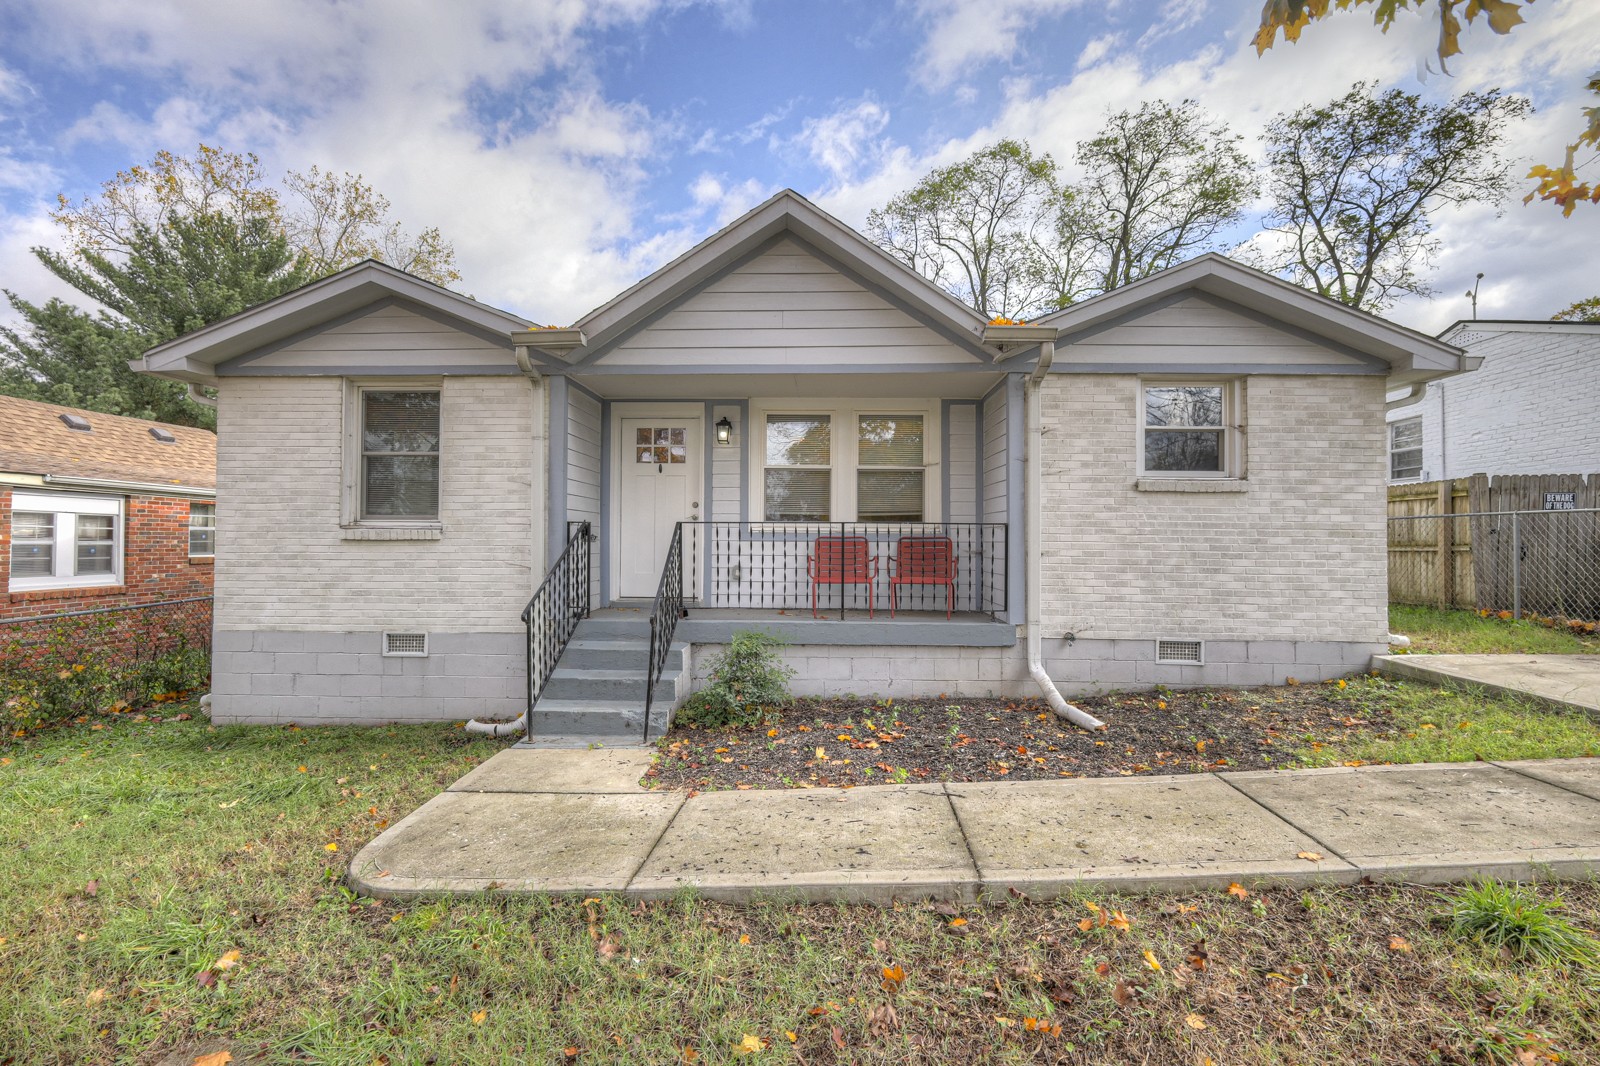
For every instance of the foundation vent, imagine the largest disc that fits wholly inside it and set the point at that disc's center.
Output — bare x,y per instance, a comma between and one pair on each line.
411,644
1192,652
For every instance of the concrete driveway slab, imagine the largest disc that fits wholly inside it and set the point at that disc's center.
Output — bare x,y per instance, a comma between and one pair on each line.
560,770
1046,837
1575,775
855,844
1568,680
1435,822
515,842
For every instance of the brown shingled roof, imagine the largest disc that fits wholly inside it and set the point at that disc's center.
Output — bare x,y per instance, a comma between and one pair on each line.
34,440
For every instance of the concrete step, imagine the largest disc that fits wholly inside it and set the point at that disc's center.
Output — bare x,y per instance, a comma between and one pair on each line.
601,721
587,683
579,740
615,628
596,653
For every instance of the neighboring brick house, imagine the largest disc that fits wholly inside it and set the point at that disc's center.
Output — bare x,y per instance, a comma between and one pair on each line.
100,512
1528,409
1176,482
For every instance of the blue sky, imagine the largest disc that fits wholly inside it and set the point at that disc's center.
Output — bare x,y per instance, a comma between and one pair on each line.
569,147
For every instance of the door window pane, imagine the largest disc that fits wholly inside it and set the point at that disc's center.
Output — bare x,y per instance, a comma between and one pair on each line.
33,544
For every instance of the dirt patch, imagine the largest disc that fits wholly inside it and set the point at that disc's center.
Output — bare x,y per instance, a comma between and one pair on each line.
832,742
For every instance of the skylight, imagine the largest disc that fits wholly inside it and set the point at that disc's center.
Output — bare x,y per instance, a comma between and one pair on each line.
77,422
162,435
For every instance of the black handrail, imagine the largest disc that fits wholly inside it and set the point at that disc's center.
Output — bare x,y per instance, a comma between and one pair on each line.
664,615
553,614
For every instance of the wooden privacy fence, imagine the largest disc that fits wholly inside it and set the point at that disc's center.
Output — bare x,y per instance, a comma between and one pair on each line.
1523,543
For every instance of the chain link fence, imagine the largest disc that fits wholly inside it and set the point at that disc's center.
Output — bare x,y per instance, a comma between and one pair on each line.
1543,563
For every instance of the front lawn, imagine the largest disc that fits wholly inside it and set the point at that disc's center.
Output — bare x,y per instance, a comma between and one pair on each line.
818,743
1441,632
170,893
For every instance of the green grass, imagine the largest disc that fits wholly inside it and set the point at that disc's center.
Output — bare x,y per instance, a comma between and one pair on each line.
1436,631
1513,919
202,841
1407,722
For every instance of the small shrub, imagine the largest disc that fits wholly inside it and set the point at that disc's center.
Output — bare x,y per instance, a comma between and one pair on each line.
1511,918
747,679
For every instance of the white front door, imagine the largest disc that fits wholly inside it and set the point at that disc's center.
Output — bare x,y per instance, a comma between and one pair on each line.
659,487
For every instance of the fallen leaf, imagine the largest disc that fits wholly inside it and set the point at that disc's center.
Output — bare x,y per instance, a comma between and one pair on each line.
838,1037
1400,944
1194,1021
956,923
751,1044
330,846
893,977
216,1058
1309,856
690,1054
1119,922
1123,993
1150,960
1236,889
301,770
206,978
228,961
96,997
479,1016
744,938
793,1036
92,889
882,1020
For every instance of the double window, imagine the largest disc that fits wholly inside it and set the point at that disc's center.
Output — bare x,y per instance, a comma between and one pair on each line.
1405,449
63,541
1189,430
877,464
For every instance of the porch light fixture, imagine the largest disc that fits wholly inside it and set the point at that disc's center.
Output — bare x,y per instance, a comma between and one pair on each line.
724,430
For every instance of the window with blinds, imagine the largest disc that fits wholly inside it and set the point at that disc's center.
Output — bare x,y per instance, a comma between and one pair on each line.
64,540
889,468
399,453
202,529
798,474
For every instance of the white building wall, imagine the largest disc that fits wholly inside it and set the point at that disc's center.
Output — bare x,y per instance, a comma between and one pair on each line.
961,456
1529,409
1299,555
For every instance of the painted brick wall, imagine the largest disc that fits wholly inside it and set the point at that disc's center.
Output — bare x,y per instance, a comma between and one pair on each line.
1299,556
1529,409
156,564
282,562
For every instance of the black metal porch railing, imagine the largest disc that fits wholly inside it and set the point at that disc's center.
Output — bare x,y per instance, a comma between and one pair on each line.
871,567
556,609
664,615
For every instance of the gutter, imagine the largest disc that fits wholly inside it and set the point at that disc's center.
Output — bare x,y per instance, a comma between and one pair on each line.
143,488
538,484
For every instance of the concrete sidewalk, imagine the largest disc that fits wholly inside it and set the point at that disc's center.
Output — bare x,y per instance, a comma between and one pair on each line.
1566,680
533,820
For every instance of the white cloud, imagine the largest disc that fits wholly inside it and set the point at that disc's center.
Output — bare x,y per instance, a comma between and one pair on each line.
963,35
843,141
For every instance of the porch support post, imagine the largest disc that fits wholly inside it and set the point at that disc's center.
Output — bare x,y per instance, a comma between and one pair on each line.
556,499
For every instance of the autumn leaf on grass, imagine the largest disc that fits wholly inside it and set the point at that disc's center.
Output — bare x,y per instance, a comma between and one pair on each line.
1194,1021
228,961
750,1044
1236,889
882,1020
1150,960
893,977
479,1016
95,998
1197,956
216,1058
1119,922
1400,944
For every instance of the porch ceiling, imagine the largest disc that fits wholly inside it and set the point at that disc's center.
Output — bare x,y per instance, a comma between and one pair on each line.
657,386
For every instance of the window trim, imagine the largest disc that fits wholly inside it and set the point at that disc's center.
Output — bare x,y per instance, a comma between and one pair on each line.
1392,451
1233,428
351,516
66,539
212,554
846,460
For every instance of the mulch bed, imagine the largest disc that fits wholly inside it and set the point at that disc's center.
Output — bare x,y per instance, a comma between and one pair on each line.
843,742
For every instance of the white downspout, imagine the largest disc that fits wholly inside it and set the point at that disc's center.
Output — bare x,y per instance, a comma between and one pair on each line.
1033,549
199,397
525,364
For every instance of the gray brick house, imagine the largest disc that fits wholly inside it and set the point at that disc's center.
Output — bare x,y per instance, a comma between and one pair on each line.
438,511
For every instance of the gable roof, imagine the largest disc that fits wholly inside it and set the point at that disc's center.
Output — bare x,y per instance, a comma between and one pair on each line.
34,440
194,356
832,240
1462,331
1412,356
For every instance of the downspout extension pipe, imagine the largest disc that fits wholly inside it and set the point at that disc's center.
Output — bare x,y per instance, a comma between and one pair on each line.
520,723
1034,550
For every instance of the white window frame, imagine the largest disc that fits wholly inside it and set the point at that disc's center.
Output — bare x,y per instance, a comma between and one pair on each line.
350,508
213,527
846,454
69,506
1233,427
1396,424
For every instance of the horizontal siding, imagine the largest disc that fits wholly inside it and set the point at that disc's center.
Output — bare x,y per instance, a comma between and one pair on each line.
391,336
996,457
727,482
1197,332
583,469
283,562
961,456
786,307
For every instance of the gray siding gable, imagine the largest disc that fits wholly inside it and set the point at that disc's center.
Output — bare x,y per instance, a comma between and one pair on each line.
786,306
388,337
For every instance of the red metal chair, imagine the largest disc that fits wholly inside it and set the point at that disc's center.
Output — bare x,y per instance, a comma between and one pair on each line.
841,561
923,561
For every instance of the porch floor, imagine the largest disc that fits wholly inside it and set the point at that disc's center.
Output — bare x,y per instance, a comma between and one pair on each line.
716,625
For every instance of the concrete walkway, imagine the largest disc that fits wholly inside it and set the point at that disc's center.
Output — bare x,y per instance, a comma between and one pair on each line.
533,820
1567,680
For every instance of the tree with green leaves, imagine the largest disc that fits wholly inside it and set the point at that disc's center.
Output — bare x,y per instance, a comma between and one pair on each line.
167,280
980,228
176,244
1353,185
1556,183
1159,185
1581,311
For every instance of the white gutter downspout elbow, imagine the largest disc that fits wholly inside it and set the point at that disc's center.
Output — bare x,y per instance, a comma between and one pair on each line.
1034,550
200,397
520,723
